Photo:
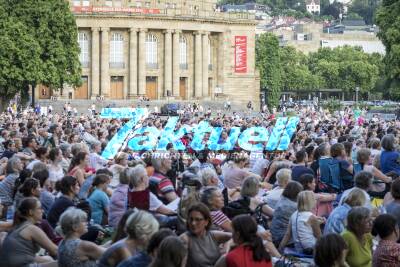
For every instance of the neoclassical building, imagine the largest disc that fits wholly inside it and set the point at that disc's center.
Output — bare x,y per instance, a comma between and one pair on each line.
182,49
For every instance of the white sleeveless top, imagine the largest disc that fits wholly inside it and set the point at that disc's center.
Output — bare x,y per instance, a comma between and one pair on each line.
302,232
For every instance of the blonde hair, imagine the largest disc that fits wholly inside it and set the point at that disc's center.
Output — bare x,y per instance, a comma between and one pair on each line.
355,198
120,156
306,201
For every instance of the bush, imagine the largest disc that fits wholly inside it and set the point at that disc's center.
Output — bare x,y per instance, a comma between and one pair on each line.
332,105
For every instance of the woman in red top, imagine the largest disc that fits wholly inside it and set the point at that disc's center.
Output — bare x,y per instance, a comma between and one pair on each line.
250,250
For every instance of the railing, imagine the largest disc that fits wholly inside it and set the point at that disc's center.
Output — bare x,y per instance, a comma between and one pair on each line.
117,65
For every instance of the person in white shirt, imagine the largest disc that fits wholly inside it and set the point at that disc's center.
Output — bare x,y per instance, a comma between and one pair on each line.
283,177
95,160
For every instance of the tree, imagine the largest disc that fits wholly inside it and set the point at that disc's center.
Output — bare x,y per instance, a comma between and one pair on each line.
388,20
268,63
19,57
365,9
52,25
334,10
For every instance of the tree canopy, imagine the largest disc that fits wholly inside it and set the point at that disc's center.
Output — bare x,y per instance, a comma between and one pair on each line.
388,20
43,38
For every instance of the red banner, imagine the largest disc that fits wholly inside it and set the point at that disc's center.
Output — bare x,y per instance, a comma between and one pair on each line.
106,9
240,54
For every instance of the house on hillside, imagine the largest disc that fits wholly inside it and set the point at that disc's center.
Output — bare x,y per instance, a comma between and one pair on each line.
313,6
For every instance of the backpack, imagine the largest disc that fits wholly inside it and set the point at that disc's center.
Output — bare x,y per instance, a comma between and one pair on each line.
237,207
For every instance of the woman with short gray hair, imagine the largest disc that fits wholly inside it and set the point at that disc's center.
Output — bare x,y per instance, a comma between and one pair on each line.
72,251
358,237
250,189
140,226
214,200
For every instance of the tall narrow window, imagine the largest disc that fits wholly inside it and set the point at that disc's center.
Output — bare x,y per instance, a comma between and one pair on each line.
117,51
183,53
151,51
83,41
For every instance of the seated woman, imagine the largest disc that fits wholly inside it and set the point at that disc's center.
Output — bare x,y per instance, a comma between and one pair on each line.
250,189
140,196
25,240
358,237
304,226
283,177
213,199
337,218
118,200
330,251
203,244
140,226
74,252
171,252
249,250
387,253
338,154
324,200
380,179
79,167
144,258
286,206
99,200
389,158
69,188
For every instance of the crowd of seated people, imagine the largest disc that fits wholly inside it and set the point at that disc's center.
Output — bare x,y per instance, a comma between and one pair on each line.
331,199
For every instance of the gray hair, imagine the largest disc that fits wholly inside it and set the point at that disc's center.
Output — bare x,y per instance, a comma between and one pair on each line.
206,175
70,220
250,186
207,195
11,165
141,225
355,218
283,176
39,166
156,162
135,174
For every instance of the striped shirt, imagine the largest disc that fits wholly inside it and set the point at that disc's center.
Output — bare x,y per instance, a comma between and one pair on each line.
218,218
164,184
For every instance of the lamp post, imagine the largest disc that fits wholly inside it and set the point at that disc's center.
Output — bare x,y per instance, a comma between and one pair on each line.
357,90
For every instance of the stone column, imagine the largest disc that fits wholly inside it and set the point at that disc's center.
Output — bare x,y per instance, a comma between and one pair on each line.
95,91
198,85
133,88
105,77
142,62
167,61
205,64
175,63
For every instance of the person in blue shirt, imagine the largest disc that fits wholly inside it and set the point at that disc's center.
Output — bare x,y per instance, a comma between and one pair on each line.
98,199
390,159
337,218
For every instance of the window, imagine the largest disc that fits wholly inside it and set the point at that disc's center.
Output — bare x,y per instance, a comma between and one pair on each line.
117,51
183,53
77,3
83,41
85,3
109,3
147,4
151,51
138,4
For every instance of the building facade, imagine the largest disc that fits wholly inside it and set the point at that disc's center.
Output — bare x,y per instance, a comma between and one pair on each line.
182,49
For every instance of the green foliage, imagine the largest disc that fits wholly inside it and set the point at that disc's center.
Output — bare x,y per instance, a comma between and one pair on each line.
365,9
332,105
39,45
268,63
332,10
388,19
